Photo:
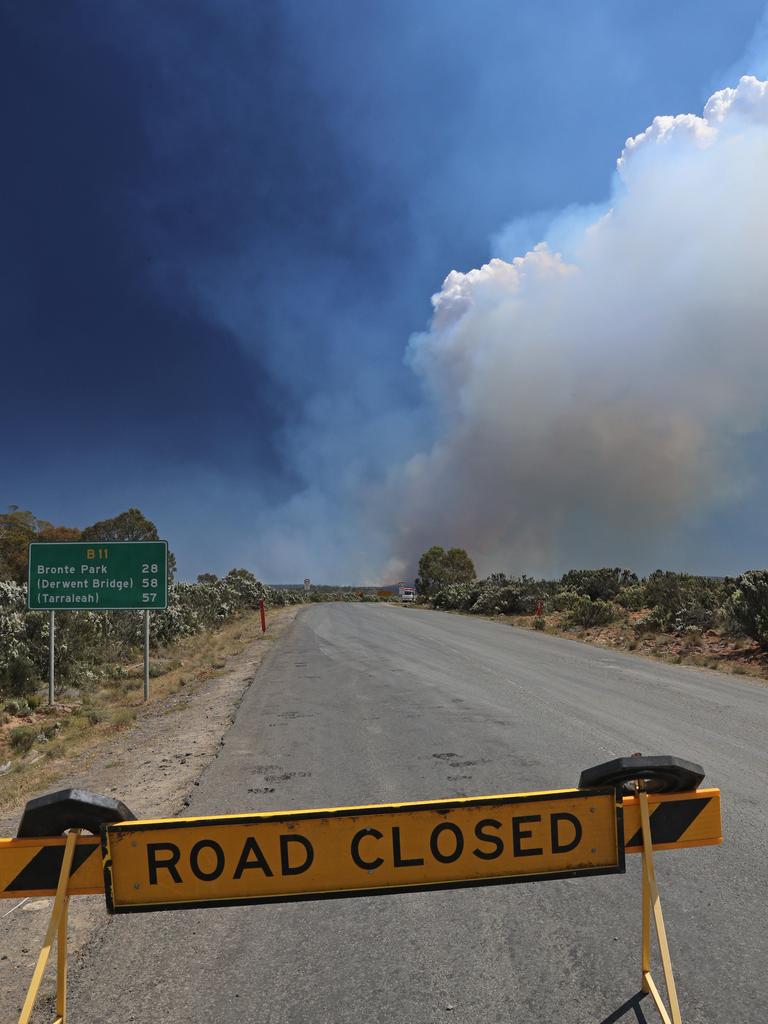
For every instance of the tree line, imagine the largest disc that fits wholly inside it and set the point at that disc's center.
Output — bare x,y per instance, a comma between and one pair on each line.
18,528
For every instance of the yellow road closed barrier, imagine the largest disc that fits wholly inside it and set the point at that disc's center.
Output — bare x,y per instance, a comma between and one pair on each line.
176,863
361,851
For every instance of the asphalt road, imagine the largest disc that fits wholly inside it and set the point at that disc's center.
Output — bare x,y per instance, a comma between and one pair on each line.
364,704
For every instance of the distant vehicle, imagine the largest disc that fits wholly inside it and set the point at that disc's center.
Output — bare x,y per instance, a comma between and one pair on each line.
407,594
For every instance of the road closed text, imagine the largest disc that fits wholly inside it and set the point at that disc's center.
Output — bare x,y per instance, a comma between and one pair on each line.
361,851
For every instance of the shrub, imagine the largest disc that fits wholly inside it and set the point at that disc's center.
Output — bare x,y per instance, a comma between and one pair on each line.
748,605
680,601
598,584
539,622
588,613
495,595
23,738
499,600
632,598
19,678
564,600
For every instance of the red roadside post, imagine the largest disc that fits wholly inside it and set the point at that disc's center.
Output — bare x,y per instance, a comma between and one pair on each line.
263,617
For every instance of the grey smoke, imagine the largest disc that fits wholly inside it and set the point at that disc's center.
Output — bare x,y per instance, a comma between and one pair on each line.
595,391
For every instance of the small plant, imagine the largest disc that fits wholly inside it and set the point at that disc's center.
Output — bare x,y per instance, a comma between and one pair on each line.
91,714
23,738
17,707
123,717
34,701
539,622
588,613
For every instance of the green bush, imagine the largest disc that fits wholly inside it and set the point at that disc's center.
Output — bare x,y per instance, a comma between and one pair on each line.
497,594
679,601
587,613
19,678
598,584
564,600
748,605
23,738
633,597
17,707
539,622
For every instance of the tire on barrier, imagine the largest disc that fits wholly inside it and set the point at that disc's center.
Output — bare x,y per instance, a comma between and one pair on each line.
660,774
54,813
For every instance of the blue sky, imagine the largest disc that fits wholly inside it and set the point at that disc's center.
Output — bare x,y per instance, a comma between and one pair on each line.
223,221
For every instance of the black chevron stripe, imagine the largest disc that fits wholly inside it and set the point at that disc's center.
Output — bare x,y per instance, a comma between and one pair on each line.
43,870
670,821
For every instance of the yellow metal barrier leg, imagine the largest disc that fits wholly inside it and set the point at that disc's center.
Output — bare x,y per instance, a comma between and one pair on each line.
56,925
61,966
646,955
652,902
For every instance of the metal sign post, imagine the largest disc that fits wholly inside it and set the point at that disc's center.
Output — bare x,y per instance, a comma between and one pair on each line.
97,576
146,655
51,662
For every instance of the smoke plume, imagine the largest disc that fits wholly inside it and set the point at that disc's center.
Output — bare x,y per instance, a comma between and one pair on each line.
592,393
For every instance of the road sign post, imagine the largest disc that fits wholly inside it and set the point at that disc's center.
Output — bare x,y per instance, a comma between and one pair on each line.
97,576
146,655
51,655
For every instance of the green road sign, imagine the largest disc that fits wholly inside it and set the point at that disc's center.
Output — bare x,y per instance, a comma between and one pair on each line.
98,575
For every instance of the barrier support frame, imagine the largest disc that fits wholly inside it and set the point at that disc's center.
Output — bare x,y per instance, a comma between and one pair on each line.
652,905
57,928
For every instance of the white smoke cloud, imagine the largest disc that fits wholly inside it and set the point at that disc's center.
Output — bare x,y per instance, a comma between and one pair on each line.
590,401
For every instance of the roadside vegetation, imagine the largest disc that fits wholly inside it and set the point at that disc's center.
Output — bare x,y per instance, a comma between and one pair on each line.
99,655
698,620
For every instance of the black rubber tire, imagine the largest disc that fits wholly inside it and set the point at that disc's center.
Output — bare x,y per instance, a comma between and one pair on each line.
660,774
54,813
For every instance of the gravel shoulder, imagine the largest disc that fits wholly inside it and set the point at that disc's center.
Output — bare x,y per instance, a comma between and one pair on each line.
154,767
